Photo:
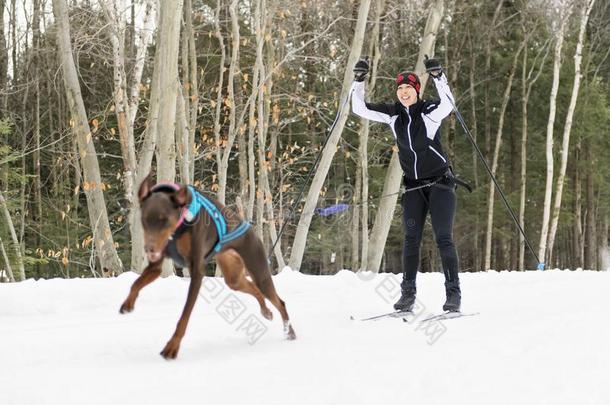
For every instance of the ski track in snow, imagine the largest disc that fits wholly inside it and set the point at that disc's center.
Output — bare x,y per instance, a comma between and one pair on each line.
540,338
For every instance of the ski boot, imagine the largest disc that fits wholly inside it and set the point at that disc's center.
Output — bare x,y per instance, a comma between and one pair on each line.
407,298
454,296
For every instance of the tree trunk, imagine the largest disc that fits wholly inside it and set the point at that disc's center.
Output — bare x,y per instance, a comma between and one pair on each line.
168,45
546,213
223,164
391,186
298,247
7,263
36,157
523,180
489,37
527,83
126,106
116,32
568,128
475,158
577,232
604,254
3,63
142,42
16,244
194,86
219,98
183,143
98,216
496,155
591,231
363,147
256,78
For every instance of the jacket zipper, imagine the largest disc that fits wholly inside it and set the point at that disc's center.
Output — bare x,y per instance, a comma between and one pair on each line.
411,145
439,155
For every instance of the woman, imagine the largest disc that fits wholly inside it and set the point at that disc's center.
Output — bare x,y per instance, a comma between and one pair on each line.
429,182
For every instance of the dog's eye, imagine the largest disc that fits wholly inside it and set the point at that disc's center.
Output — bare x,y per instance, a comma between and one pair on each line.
162,218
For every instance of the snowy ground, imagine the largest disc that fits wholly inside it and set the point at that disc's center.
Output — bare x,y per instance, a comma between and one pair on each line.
540,338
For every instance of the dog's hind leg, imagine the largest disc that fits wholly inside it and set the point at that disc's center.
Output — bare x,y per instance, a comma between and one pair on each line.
253,254
234,273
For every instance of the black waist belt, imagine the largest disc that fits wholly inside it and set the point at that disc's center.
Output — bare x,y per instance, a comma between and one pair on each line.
436,181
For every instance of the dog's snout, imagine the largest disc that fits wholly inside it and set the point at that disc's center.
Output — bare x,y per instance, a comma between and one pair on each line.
152,253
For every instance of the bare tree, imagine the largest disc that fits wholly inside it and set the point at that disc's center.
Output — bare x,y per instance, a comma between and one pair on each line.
527,83
223,163
3,61
361,195
167,48
98,216
496,155
7,262
298,246
15,241
564,13
126,103
586,11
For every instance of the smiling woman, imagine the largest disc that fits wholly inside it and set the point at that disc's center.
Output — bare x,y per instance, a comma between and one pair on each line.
427,174
408,88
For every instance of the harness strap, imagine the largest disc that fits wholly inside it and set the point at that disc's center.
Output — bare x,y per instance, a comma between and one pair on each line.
234,234
188,214
436,182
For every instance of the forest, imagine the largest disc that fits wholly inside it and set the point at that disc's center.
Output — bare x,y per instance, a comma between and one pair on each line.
248,100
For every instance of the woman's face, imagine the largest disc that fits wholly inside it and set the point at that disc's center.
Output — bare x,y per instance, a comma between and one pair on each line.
406,94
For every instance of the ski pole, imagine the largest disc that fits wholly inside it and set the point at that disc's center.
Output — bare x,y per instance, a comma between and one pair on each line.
493,178
315,164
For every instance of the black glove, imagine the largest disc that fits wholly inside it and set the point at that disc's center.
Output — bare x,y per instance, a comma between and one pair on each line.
433,67
361,70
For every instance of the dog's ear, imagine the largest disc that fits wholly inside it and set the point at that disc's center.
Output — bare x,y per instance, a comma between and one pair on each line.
145,187
181,197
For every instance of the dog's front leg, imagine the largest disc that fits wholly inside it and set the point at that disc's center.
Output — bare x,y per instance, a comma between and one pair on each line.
171,348
150,274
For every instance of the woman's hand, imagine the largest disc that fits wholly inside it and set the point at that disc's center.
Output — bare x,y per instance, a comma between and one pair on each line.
433,67
361,70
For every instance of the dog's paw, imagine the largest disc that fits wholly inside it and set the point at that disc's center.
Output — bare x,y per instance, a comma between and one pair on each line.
267,314
289,332
127,307
170,351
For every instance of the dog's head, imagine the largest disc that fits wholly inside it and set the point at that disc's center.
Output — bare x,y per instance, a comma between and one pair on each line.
161,207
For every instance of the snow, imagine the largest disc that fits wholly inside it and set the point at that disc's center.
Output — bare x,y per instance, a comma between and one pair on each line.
540,337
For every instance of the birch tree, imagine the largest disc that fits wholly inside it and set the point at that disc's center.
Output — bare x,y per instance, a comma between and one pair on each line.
14,240
126,101
98,216
527,83
226,146
7,263
361,212
496,155
167,48
298,246
568,125
546,213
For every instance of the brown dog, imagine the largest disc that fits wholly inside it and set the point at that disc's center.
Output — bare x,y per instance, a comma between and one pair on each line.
182,224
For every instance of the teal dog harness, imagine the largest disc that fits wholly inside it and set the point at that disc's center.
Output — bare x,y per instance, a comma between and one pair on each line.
188,217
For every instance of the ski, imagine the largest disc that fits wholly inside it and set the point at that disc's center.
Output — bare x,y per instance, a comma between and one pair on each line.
394,314
448,315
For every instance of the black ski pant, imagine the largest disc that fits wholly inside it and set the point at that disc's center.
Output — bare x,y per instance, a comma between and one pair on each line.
440,200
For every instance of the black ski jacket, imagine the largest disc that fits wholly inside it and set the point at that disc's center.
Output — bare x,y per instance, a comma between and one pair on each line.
415,128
